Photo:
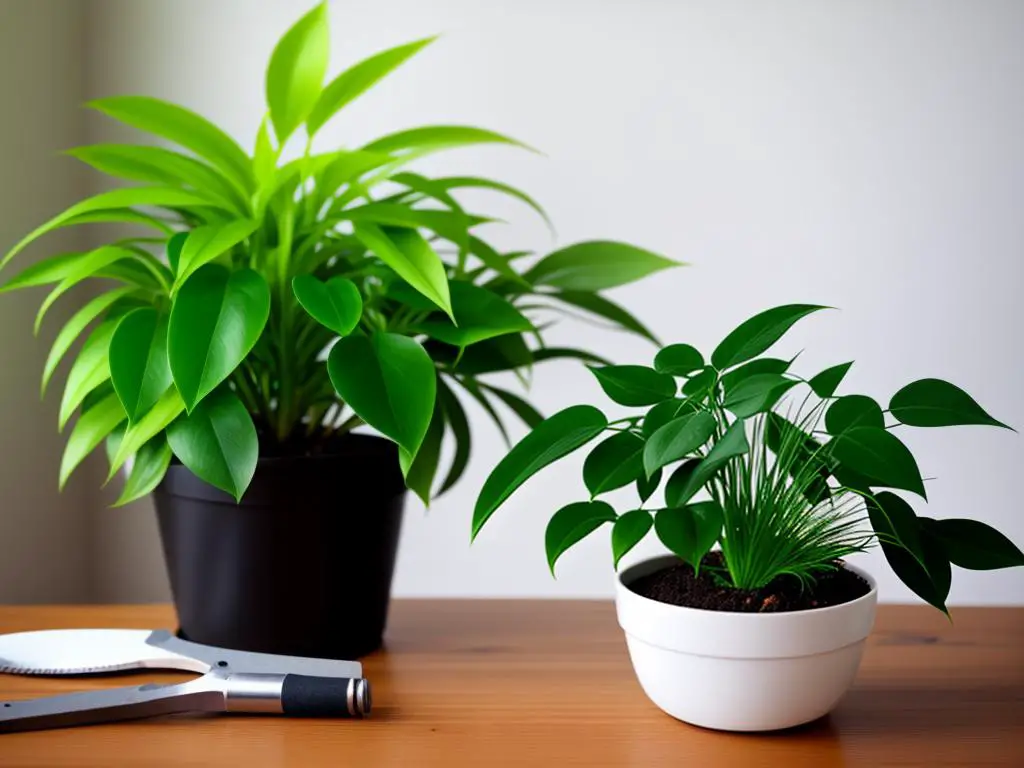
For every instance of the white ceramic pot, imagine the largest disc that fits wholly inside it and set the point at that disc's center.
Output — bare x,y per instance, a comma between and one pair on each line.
742,671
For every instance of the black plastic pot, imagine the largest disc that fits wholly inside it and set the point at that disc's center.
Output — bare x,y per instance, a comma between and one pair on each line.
302,566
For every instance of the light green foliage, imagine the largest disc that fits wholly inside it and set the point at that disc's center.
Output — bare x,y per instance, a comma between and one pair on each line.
293,301
782,474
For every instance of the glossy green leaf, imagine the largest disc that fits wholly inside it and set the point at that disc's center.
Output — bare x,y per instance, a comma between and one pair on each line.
664,412
264,161
475,182
412,258
502,353
680,437
559,353
894,522
74,327
296,72
937,403
167,409
88,266
974,545
628,531
346,167
148,469
757,334
761,366
852,411
455,416
479,315
435,137
678,360
690,532
184,128
91,428
929,582
571,524
880,456
634,385
451,225
217,442
491,259
609,310
701,383
216,319
51,270
358,79
209,242
530,416
596,265
691,476
419,470
555,437
139,369
825,383
389,381
613,463
90,369
646,486
336,304
175,244
756,394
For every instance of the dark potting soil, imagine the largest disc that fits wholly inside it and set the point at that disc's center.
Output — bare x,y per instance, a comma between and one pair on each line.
677,585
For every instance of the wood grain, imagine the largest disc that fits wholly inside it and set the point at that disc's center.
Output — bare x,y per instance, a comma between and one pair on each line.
537,683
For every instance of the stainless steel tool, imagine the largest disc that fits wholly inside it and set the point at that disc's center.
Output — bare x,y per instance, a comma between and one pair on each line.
234,681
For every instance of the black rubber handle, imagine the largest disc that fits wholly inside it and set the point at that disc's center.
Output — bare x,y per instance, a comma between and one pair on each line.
304,696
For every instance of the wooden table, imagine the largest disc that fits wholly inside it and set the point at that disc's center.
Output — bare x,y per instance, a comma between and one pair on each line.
536,683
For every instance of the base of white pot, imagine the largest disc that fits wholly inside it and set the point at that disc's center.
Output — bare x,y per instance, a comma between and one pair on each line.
743,671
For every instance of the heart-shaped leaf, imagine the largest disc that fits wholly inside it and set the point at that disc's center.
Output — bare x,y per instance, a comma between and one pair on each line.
825,383
678,438
614,463
139,369
555,437
389,381
296,71
974,545
336,304
216,319
880,456
628,531
572,523
217,442
937,403
678,360
635,385
757,334
690,531
480,314
595,266
852,411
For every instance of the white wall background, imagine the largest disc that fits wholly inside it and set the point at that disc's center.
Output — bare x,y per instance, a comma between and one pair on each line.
862,155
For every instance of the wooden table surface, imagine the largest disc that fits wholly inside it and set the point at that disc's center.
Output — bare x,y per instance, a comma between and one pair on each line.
537,683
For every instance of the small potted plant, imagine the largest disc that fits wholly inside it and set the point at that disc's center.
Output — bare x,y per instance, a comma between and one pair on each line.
262,310
765,630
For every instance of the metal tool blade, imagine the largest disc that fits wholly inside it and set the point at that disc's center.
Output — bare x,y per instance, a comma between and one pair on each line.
88,651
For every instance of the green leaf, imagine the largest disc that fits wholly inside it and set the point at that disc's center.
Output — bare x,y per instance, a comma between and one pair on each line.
609,310
691,476
206,243
530,416
451,225
634,385
217,442
148,470
296,72
167,409
628,531
894,521
90,369
764,365
646,486
419,470
461,182
358,79
596,265
756,394
389,381
502,353
116,198
346,167
455,415
184,128
139,369
471,386
216,319
690,531
556,353
336,304
678,360
412,258
757,334
433,137
74,327
937,403
614,463
700,384
555,437
91,428
879,455
929,582
679,437
852,411
824,385
51,270
664,412
264,162
973,545
784,436
573,523
491,259
175,244
479,315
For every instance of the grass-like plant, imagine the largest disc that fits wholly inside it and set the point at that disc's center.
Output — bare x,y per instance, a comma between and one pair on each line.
267,305
794,477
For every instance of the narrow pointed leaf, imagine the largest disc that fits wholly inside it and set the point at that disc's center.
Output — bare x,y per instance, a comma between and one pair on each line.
634,385
89,265
596,265
974,545
206,243
530,416
167,409
139,369
419,470
880,456
678,438
296,72
90,429
336,304
175,244
571,524
628,531
825,383
455,415
614,463
90,369
462,182
609,310
435,137
678,360
757,334
148,470
51,270
937,403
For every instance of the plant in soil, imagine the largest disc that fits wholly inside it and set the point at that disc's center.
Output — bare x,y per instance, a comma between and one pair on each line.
266,302
767,479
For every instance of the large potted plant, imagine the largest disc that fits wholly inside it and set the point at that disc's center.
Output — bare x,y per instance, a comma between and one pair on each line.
766,629
263,309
